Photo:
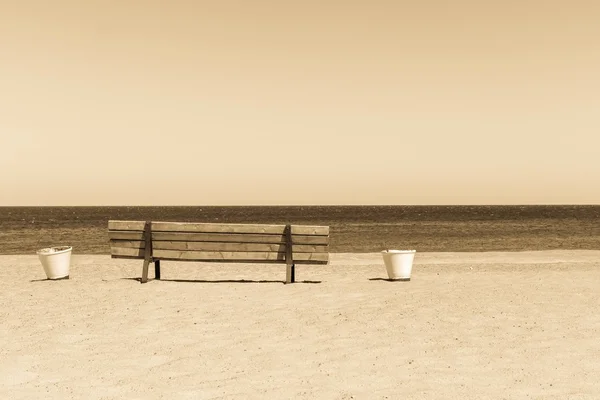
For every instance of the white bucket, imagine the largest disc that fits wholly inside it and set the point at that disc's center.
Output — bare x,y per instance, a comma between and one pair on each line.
56,261
399,263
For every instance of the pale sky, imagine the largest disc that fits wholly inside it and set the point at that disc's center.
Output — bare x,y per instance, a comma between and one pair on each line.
299,102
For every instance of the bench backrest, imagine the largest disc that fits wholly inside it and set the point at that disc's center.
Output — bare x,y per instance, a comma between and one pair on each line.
219,242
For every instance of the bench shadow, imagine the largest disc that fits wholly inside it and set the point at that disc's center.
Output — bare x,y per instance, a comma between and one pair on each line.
390,280
219,281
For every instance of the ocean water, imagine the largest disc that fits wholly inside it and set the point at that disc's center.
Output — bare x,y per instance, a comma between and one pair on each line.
23,230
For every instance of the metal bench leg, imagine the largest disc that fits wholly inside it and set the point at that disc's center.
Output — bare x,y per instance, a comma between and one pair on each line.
157,269
145,271
290,276
147,251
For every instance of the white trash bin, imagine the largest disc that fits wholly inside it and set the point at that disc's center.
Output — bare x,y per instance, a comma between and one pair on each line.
56,261
398,263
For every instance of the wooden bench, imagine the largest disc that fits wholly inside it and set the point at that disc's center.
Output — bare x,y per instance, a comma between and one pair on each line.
208,242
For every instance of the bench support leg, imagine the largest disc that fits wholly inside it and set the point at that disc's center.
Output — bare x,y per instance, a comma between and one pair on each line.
290,276
145,271
157,269
147,250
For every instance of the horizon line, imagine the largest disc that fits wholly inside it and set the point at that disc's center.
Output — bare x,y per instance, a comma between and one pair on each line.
316,205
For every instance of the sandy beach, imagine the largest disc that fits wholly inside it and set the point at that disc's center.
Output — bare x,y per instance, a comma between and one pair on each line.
467,326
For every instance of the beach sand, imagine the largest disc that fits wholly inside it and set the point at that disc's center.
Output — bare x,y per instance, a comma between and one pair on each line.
467,326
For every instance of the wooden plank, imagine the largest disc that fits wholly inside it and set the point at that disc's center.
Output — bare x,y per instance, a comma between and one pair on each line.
314,262
217,246
216,228
303,239
226,246
237,256
310,230
116,225
127,251
126,235
305,262
138,244
306,258
217,237
126,225
236,238
237,228
219,255
297,248
126,257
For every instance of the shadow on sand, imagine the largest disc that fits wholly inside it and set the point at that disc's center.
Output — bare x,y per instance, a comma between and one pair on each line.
219,281
390,280
49,280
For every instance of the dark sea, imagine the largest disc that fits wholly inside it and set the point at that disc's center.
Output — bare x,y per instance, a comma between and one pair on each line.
23,230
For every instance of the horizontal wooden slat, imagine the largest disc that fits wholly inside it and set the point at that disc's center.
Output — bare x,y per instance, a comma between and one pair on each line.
219,255
298,248
220,246
237,228
126,225
237,256
322,262
303,239
217,237
238,238
127,251
216,246
309,257
138,244
309,262
127,257
116,225
126,235
216,228
310,230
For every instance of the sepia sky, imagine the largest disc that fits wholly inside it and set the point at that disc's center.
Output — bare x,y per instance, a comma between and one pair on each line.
299,102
